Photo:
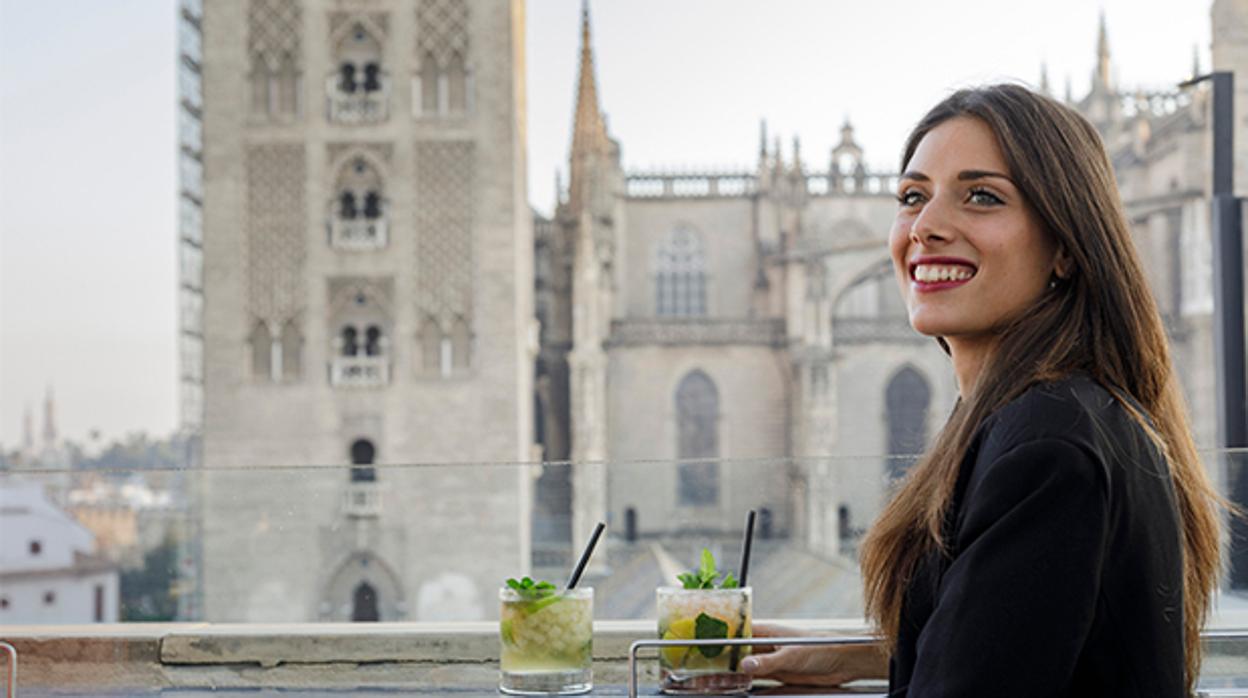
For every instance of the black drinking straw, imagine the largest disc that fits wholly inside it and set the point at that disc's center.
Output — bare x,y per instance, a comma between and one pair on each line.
745,572
589,550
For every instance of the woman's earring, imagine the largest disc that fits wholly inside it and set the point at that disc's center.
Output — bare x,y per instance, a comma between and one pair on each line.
1053,282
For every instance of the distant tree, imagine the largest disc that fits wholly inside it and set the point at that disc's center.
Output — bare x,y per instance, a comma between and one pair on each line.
147,592
137,451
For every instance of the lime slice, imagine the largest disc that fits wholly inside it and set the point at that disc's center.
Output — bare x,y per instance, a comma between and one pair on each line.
683,629
506,632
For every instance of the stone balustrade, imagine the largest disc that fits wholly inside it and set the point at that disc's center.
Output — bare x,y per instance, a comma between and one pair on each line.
359,372
357,107
681,331
358,234
709,185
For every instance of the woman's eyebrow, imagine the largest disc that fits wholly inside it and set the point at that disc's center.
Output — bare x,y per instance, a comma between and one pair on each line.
966,175
963,176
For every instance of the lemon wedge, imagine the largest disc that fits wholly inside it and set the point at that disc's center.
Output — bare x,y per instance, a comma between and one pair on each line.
683,629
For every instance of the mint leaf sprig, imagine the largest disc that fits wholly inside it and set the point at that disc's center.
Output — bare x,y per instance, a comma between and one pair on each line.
706,574
530,590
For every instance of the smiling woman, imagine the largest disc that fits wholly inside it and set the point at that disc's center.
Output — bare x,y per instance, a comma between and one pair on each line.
1060,536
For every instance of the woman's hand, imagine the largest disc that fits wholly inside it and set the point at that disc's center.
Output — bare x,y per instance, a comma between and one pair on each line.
828,665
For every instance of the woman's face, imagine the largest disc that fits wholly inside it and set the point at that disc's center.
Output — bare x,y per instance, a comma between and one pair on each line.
968,251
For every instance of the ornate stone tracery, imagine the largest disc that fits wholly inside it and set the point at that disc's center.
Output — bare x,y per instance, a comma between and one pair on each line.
442,30
275,215
274,47
443,74
444,244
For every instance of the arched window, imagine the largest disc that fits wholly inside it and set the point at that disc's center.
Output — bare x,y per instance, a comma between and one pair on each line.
372,341
430,346
288,87
372,205
363,454
429,84
697,428
292,351
358,211
261,342
357,86
906,400
346,205
346,78
680,275
461,345
350,341
372,76
260,79
364,604
457,84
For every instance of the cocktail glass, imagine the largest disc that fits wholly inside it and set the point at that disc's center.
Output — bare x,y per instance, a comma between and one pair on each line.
547,642
689,614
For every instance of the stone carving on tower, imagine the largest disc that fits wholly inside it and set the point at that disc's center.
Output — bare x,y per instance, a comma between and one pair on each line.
275,56
444,255
275,251
443,69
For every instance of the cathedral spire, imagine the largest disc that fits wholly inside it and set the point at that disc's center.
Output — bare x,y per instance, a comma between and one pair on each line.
1102,76
589,130
28,431
49,419
1195,61
1044,78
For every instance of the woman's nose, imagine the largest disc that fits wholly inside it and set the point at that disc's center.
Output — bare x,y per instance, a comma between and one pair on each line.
932,223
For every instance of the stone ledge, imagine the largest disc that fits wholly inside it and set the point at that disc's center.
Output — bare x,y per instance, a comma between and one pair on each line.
386,655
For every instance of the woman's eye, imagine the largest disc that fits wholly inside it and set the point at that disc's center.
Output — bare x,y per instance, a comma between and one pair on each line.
909,198
983,197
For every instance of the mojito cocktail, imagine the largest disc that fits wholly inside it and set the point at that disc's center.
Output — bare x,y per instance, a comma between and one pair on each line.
547,641
689,614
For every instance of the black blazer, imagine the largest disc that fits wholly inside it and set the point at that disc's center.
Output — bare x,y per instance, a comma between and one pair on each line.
1064,575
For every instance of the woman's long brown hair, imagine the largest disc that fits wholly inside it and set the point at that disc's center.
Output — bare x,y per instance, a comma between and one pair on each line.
1101,318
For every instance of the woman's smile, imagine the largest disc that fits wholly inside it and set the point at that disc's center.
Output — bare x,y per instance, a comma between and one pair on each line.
931,274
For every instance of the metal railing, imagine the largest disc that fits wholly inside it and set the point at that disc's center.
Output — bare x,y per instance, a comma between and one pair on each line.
832,640
11,663
850,640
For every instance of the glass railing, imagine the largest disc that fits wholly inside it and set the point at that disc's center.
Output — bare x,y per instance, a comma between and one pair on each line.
416,542
432,543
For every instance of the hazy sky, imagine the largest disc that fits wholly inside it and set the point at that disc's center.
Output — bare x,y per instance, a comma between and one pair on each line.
88,265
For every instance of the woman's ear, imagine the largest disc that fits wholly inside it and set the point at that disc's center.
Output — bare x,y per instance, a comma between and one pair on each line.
1063,265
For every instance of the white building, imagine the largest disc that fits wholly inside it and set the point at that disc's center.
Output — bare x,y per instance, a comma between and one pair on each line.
48,570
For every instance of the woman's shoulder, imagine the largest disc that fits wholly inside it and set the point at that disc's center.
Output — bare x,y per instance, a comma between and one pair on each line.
1076,409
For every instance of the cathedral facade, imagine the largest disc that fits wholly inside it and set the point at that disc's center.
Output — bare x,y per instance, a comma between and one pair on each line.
717,341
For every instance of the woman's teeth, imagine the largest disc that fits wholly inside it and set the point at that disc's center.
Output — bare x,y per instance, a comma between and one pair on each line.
937,272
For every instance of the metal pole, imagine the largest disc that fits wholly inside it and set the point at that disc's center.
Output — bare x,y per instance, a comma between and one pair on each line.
1228,322
10,683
